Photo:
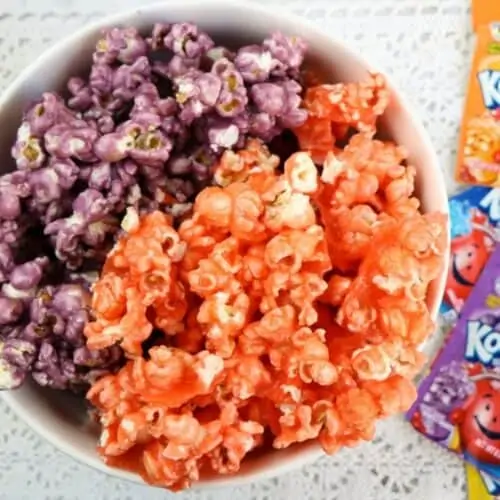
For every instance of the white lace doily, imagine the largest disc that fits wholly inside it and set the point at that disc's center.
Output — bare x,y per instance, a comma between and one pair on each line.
426,46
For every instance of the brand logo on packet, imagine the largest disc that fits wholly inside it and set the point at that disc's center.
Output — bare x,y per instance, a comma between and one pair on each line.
483,343
489,82
491,204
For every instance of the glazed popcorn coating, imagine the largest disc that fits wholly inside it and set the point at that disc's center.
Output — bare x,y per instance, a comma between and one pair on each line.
251,311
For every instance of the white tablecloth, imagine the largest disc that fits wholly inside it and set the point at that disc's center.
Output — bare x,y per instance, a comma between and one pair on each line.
425,45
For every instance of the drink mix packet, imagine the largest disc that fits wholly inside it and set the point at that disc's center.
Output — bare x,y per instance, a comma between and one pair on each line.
480,486
479,147
458,404
475,229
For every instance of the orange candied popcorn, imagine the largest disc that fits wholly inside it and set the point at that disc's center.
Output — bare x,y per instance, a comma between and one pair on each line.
133,402
335,110
387,297
305,355
354,104
282,217
316,137
254,160
224,315
139,282
289,304
359,188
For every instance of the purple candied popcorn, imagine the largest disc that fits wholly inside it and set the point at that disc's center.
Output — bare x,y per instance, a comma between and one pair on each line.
223,133
59,365
19,287
11,310
112,88
127,79
49,183
181,189
278,56
196,163
24,279
46,113
124,45
11,375
117,182
46,318
101,82
151,148
263,125
7,263
71,140
143,144
48,116
54,367
62,360
52,344
19,353
101,176
113,147
280,101
255,63
151,110
196,93
177,66
157,39
233,97
81,96
18,182
99,118
288,51
186,45
14,222
186,40
28,150
86,230
10,203
215,53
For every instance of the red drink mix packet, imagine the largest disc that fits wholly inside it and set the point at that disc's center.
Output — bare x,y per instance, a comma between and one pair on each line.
458,404
475,229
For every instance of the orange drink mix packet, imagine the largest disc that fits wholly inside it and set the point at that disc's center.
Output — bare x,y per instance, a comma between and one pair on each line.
479,149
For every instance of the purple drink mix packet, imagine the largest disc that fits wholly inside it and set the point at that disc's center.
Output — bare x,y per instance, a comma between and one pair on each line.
458,404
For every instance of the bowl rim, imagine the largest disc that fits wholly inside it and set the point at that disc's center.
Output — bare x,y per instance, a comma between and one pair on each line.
311,453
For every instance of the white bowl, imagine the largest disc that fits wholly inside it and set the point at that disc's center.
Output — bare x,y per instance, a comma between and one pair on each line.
60,418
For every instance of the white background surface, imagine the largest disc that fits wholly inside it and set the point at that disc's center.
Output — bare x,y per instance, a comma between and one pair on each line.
425,45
